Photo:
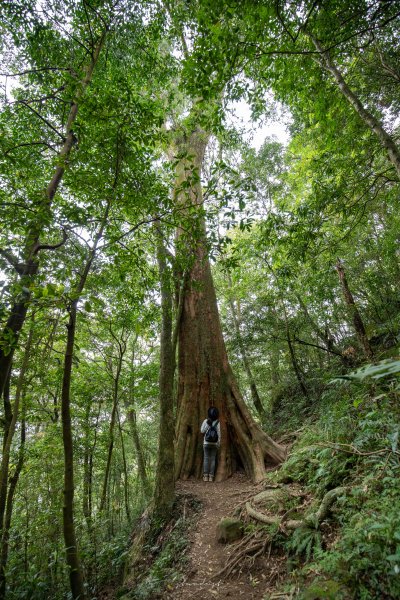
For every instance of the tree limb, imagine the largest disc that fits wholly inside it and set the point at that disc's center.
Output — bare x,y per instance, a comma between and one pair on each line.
12,260
45,121
51,246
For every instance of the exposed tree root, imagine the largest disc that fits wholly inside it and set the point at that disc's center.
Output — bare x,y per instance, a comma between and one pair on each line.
253,544
256,543
312,520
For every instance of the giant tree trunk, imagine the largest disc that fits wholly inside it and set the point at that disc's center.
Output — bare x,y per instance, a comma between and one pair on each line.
205,376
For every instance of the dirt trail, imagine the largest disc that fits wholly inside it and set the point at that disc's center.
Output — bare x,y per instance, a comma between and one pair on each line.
207,556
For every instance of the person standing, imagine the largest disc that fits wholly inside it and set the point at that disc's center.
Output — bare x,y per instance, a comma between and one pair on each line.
212,439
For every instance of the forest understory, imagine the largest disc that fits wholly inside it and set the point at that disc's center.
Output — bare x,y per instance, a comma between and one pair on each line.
323,526
199,211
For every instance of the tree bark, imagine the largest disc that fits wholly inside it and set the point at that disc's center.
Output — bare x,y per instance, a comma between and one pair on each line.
8,438
372,122
354,312
164,491
205,376
9,508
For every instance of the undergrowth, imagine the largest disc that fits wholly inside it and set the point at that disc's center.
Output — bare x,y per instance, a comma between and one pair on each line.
352,441
164,553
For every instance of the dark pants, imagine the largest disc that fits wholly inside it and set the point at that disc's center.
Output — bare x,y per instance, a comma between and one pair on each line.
210,455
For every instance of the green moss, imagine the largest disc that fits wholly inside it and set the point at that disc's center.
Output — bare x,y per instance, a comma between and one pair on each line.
323,590
229,530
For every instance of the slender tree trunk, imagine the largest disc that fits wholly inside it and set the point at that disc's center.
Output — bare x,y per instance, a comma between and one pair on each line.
121,349
354,312
9,508
205,376
75,572
8,415
372,123
87,483
164,492
29,269
141,463
293,357
126,487
72,555
14,413
131,415
110,445
258,405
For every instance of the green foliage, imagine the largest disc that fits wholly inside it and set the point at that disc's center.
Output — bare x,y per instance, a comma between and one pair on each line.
383,369
166,553
351,444
305,541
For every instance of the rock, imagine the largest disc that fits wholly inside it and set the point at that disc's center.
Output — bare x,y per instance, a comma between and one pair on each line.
229,530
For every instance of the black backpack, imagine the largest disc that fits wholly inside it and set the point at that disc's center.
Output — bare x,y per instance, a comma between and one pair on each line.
211,436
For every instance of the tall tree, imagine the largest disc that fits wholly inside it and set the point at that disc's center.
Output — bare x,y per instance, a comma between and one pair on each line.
26,264
205,376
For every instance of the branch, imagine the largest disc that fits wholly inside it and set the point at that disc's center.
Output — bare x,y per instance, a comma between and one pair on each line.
67,69
282,22
12,260
30,144
296,339
52,96
43,119
89,25
185,48
51,246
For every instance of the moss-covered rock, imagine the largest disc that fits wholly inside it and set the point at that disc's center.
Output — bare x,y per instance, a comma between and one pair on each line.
229,530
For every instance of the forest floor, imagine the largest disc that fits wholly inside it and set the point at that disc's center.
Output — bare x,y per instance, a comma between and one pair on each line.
207,557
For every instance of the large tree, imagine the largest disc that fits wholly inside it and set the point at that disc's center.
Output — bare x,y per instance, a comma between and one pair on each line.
205,375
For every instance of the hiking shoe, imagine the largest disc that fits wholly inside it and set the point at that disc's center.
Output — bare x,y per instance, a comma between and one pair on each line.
205,477
211,478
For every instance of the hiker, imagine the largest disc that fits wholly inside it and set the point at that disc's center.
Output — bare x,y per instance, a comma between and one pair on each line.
211,443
